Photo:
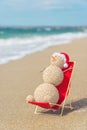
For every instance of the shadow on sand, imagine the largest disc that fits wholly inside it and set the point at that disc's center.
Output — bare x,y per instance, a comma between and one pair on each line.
77,105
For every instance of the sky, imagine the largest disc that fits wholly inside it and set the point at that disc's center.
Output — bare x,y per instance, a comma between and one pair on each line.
43,12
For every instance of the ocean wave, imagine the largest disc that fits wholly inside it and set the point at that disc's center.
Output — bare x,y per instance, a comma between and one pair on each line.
42,38
48,29
15,48
1,32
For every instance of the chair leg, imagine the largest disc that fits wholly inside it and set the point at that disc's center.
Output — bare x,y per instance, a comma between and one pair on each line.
40,111
36,110
62,110
70,106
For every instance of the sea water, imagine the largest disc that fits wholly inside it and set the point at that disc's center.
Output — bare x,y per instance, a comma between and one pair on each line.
16,42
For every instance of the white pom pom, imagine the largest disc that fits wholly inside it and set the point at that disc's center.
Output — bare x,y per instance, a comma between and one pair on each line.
65,65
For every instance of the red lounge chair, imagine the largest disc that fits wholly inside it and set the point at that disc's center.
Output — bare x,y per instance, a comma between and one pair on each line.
63,90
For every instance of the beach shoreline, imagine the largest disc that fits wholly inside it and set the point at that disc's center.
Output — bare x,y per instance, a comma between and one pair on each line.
17,43
20,77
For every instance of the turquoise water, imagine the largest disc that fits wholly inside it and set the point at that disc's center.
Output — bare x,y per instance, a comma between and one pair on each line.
24,32
16,43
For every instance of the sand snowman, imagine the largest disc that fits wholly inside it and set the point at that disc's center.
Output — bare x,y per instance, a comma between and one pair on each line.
52,76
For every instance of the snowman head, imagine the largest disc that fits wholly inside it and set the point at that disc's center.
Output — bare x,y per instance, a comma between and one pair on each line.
60,59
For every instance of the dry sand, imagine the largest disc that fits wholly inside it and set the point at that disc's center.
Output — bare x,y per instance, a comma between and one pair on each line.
20,78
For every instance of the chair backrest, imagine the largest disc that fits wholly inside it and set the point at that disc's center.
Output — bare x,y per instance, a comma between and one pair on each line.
64,87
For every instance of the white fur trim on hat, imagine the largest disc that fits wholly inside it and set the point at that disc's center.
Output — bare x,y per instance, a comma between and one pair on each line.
58,54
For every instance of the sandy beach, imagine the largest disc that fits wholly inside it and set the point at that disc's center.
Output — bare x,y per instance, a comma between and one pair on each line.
20,78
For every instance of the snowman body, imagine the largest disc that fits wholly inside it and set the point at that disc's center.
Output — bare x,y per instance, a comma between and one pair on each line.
52,77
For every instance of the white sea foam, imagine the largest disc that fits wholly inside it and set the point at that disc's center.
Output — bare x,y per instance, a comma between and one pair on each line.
15,48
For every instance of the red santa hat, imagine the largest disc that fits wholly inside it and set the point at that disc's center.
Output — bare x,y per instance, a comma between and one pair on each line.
65,56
